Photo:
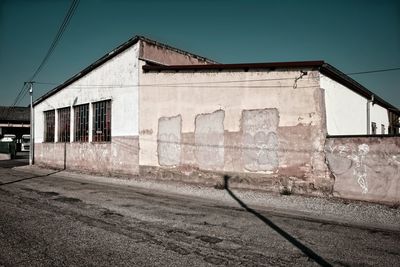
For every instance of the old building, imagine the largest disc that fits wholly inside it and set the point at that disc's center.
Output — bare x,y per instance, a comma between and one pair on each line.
16,121
146,107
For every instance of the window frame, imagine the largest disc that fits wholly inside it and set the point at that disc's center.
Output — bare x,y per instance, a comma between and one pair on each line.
373,128
81,133
49,126
101,123
64,119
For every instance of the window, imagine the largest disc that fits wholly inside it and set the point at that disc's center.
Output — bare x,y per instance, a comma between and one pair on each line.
81,113
382,129
49,122
373,127
64,117
102,121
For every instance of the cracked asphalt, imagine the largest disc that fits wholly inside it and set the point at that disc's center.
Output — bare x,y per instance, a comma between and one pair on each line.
52,219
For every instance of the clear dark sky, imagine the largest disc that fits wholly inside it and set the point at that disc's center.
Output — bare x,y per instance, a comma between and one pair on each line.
351,35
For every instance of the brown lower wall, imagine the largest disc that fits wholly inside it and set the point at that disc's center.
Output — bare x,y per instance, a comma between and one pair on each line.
119,157
365,168
288,159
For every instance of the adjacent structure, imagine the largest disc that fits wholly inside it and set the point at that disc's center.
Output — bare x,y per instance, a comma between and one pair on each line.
15,120
146,107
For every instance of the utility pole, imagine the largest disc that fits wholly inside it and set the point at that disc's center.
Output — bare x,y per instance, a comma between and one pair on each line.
31,145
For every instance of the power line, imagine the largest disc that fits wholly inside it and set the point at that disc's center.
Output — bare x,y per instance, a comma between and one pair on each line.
58,37
24,89
373,71
205,82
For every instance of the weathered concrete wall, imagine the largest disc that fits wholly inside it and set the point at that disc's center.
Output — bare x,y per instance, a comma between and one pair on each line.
254,124
120,157
168,55
365,168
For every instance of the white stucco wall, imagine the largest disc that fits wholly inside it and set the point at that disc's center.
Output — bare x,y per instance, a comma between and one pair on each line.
346,111
117,80
380,116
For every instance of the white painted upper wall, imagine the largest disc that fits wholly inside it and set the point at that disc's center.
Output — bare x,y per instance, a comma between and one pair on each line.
116,79
346,111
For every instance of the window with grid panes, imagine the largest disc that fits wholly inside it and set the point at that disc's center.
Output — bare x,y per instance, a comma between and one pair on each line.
49,124
64,118
102,121
81,124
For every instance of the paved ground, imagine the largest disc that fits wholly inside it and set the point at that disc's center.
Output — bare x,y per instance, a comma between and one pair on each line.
50,218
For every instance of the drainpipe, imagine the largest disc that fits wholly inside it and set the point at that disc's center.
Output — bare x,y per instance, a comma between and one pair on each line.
369,114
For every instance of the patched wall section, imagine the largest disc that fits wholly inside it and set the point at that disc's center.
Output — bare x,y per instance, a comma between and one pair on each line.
365,168
209,140
260,141
169,140
252,125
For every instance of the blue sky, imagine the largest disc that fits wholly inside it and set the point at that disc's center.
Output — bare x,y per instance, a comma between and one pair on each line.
351,35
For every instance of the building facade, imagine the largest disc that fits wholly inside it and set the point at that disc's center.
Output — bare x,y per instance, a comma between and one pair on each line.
147,108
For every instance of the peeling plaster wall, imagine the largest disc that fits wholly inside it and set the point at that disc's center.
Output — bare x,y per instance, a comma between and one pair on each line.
365,168
209,140
260,141
169,141
251,123
115,80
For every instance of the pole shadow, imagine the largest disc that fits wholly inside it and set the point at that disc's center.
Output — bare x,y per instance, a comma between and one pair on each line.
306,251
29,178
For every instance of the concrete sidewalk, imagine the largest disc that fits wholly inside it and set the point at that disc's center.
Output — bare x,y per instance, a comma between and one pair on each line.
332,210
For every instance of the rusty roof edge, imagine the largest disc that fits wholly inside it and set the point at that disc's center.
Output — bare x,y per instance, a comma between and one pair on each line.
271,65
347,81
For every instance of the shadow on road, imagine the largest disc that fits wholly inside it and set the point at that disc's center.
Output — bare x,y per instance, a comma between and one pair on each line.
29,178
306,251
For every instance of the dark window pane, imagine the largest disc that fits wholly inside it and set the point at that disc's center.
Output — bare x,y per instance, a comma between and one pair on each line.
81,123
49,124
102,121
64,118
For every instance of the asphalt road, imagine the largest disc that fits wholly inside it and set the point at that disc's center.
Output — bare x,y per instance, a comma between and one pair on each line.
54,220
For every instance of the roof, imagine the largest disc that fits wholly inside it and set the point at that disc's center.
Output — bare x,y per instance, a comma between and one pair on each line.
15,114
320,65
112,54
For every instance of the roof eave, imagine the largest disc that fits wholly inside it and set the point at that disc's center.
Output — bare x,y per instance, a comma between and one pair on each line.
347,81
272,65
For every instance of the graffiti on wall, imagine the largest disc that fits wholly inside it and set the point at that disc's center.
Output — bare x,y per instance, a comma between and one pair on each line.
169,140
260,141
350,158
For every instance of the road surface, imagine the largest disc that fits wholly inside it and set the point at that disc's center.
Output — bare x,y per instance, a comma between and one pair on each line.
56,220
